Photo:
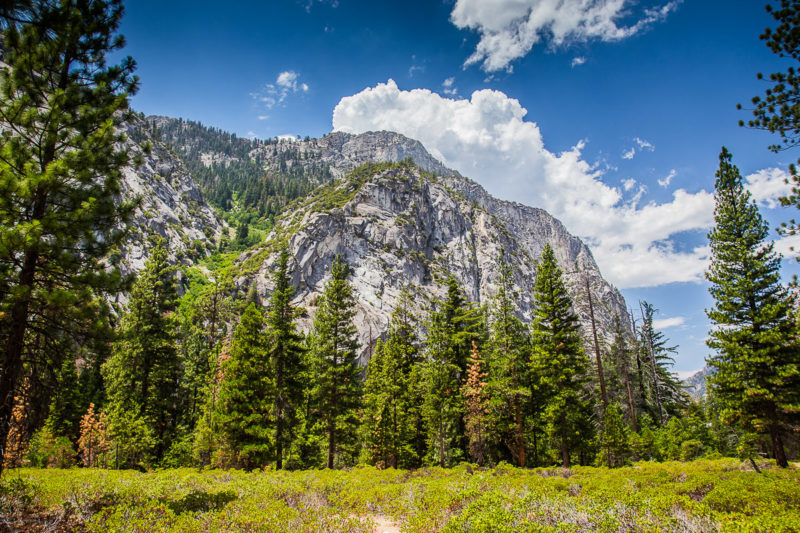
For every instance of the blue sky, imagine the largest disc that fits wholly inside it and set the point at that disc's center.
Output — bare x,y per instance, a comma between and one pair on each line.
609,114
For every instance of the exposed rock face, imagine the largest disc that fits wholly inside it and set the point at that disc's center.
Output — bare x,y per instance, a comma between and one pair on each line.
696,383
172,206
401,227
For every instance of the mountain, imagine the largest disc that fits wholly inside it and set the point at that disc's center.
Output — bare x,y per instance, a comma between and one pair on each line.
408,223
172,206
696,383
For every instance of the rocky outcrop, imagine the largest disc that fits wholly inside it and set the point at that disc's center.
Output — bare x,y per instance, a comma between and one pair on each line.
171,204
696,384
403,227
399,227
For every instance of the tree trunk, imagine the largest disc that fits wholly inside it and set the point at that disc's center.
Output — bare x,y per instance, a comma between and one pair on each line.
331,444
631,405
564,447
520,434
441,440
15,344
600,376
777,446
653,369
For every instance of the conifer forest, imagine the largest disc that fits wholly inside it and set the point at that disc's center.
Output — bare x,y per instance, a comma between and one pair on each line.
207,332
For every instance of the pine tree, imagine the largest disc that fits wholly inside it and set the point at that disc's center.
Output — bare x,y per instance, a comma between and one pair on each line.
558,362
337,383
286,357
143,372
613,438
392,417
476,406
757,360
66,407
244,402
454,324
509,372
666,396
60,169
622,382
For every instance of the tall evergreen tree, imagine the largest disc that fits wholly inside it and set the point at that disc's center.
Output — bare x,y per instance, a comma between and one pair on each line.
392,417
621,382
286,357
757,359
509,370
454,325
558,362
334,344
60,168
143,372
666,397
476,406
245,396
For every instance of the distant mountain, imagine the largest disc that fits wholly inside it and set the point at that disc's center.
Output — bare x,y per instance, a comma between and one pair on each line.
410,224
172,205
696,383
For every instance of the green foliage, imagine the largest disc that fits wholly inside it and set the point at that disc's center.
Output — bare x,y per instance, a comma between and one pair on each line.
49,450
286,357
558,363
664,395
392,406
143,371
613,438
336,387
777,112
703,496
509,380
757,359
60,173
244,402
454,325
249,190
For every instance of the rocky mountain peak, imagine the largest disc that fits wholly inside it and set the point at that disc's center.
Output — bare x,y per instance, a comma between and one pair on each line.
399,226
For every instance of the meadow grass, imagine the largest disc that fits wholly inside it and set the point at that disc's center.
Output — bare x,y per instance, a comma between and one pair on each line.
704,495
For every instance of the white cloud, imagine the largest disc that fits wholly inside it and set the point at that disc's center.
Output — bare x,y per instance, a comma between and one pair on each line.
767,185
487,139
629,154
272,94
665,182
448,86
577,61
644,145
788,246
628,184
508,29
664,323
287,137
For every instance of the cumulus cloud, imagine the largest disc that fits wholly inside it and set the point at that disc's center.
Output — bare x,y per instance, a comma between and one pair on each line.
665,182
628,183
664,323
577,61
487,139
767,185
509,29
629,154
272,94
